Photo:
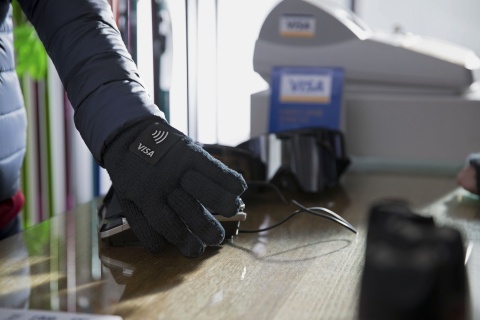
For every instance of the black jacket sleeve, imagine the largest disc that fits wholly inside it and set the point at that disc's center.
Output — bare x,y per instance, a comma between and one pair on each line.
98,73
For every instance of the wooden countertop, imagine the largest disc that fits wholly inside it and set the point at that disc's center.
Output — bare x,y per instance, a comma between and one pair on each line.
307,268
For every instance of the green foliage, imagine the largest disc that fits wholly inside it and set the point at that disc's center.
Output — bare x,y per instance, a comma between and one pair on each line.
31,57
38,242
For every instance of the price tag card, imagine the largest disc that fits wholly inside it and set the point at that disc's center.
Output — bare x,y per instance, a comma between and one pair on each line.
303,97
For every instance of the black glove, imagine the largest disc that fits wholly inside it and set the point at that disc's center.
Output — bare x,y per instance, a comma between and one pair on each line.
164,182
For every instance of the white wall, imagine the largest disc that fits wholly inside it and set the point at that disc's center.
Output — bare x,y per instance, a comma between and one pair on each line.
455,21
239,26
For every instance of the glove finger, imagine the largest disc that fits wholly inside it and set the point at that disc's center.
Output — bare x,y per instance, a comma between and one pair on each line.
218,172
196,217
174,230
149,238
210,194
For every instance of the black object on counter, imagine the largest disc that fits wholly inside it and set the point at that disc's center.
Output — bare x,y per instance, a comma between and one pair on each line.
413,268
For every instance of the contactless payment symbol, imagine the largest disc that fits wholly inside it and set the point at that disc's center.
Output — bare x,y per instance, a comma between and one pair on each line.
159,136
148,145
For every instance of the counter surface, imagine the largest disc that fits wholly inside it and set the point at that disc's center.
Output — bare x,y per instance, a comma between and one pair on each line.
308,267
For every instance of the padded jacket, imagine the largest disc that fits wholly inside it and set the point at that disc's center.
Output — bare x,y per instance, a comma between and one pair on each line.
13,120
97,72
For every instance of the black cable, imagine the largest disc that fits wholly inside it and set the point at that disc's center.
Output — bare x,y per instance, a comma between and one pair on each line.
332,216
316,211
272,226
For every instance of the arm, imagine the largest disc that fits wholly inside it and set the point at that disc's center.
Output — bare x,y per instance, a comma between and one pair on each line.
164,181
98,73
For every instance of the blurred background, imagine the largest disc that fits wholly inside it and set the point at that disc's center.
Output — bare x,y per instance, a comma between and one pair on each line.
196,59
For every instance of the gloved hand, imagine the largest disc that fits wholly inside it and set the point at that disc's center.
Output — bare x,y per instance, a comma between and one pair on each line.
164,183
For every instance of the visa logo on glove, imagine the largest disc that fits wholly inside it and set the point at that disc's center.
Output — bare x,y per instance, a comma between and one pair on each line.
305,88
149,152
152,144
